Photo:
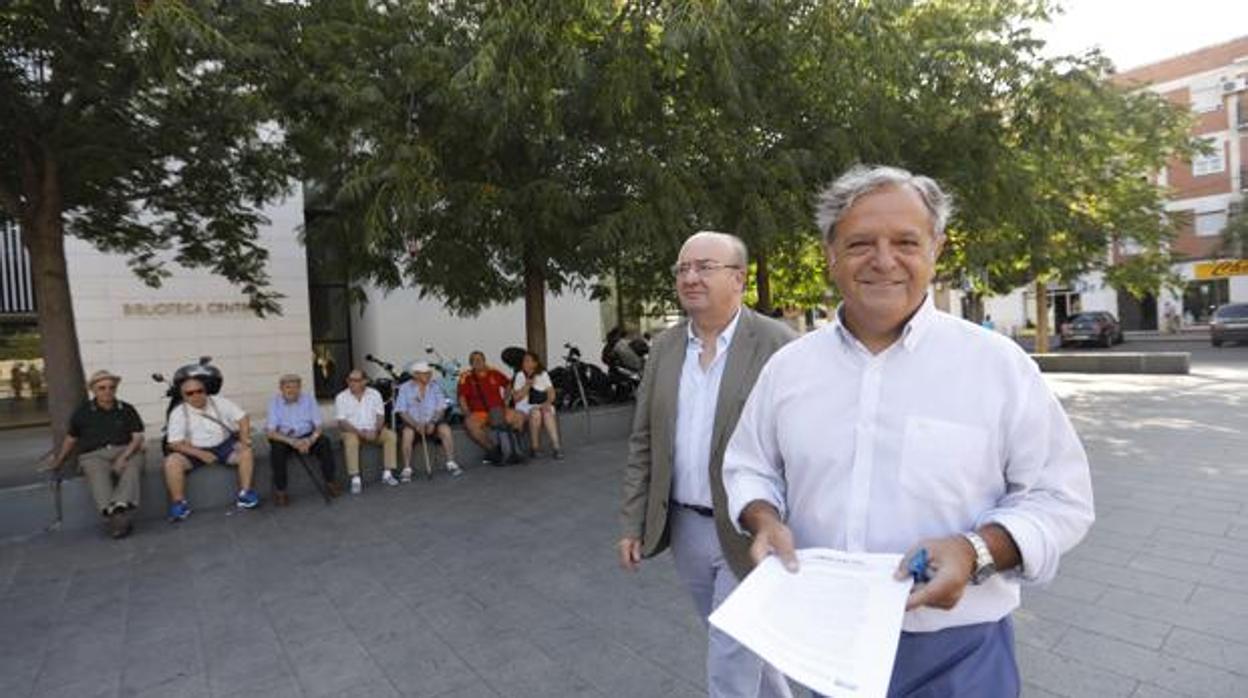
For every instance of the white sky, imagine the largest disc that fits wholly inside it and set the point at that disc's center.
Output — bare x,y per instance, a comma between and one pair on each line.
1135,32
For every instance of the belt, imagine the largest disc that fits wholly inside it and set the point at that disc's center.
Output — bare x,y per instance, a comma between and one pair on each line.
695,508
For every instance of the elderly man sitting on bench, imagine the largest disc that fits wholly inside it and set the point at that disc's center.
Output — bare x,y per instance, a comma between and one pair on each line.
207,429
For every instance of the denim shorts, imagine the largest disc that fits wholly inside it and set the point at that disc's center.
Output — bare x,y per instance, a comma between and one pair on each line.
222,451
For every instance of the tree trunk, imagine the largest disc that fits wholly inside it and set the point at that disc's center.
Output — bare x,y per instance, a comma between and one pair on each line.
1042,317
762,280
43,235
619,298
535,307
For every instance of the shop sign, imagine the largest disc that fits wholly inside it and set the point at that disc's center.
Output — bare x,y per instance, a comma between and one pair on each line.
1222,268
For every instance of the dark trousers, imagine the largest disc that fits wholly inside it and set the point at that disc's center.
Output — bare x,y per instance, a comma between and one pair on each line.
280,452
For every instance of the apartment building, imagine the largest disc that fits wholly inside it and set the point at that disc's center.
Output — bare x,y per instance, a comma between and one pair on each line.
1206,191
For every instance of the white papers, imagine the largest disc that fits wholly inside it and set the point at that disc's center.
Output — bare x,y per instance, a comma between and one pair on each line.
833,626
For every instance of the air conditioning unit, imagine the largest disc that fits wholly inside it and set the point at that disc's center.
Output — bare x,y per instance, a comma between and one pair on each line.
1234,85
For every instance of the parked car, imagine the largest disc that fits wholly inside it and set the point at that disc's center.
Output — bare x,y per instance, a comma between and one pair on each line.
1229,324
1096,327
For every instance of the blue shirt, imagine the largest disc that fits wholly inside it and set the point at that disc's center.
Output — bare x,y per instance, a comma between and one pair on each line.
298,418
424,410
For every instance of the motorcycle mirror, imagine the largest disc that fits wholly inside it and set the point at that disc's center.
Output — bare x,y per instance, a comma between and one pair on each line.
205,360
158,378
428,348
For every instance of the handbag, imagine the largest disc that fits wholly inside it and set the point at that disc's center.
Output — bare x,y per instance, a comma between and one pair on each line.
497,415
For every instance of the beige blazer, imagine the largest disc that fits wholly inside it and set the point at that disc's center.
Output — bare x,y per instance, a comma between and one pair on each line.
648,473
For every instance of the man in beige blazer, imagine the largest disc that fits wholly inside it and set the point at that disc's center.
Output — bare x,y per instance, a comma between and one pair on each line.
697,378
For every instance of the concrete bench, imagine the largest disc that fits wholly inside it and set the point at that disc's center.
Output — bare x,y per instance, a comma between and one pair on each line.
1177,362
26,510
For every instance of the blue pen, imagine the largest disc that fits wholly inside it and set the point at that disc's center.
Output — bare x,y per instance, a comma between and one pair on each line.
918,567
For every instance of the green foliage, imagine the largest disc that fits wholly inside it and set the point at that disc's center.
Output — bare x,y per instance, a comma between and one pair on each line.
1235,234
798,274
497,142
137,125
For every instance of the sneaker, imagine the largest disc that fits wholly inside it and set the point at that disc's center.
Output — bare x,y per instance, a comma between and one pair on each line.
179,511
406,475
453,468
356,485
388,478
494,457
247,499
558,454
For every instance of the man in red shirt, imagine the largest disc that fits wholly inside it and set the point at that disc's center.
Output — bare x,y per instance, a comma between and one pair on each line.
482,400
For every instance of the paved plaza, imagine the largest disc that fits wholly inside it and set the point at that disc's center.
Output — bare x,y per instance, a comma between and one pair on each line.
503,583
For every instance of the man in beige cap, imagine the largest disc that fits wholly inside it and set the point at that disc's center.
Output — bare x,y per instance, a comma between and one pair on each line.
108,435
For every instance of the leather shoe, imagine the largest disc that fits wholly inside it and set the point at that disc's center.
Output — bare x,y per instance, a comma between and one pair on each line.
281,499
119,523
334,489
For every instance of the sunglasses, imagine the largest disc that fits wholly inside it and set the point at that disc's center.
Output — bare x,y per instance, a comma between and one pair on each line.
189,393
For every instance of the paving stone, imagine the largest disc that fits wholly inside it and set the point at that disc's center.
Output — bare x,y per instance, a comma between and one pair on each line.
1120,577
1032,629
1148,690
503,583
1207,649
1134,629
1167,671
1223,622
1070,677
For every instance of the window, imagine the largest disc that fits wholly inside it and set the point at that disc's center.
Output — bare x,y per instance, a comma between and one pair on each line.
1207,99
1209,164
1210,223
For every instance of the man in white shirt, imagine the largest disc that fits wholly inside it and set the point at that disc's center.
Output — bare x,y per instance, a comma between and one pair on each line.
899,428
361,415
206,429
697,378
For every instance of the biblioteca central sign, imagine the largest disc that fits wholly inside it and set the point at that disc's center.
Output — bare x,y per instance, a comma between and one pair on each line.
186,308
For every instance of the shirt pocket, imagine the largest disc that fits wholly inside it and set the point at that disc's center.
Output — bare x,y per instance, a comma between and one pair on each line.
947,462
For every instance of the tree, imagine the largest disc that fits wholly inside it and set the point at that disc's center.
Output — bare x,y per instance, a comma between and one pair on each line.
134,126
1075,183
1235,234
507,149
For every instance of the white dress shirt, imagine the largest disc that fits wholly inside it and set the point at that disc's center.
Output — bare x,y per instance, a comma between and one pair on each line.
695,417
360,412
949,428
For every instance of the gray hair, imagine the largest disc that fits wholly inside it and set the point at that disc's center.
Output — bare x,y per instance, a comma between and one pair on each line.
290,378
739,250
860,180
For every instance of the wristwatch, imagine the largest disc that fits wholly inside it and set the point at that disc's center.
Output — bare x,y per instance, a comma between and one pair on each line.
985,567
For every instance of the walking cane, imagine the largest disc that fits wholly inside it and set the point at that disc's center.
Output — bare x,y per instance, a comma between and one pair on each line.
315,478
55,477
424,444
57,503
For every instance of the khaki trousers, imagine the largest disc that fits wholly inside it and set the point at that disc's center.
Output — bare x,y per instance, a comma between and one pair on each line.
351,450
109,486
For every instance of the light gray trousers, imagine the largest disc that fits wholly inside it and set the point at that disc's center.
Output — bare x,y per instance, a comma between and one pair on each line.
732,671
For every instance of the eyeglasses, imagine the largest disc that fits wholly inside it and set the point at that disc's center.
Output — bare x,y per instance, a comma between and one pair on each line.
703,268
191,393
